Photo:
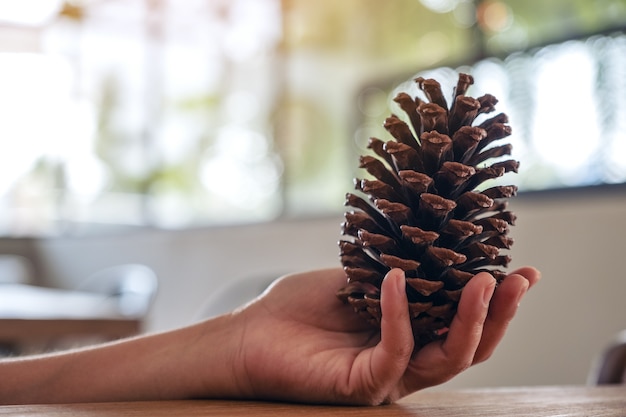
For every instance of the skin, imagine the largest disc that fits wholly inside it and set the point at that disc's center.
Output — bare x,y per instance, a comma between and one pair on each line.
296,342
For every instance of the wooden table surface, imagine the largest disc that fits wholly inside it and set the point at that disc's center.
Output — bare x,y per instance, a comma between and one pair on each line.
578,401
23,332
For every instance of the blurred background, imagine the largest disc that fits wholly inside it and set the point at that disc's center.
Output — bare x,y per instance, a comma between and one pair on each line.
174,114
214,141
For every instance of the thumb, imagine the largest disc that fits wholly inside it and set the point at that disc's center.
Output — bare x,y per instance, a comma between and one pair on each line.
391,356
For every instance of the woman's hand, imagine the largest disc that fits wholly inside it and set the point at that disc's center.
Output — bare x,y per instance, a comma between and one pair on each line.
300,343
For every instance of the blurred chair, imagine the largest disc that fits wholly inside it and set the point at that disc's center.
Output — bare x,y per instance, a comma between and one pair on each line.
234,294
16,269
610,366
111,303
134,285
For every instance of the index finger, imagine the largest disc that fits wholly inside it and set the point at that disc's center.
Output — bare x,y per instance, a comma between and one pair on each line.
441,360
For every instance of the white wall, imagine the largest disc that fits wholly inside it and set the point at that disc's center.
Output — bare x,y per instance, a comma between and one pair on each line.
576,240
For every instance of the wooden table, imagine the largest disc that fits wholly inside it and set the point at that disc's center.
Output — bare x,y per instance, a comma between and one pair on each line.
571,401
32,316
35,332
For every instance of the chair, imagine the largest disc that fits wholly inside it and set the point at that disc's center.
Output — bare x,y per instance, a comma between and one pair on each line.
610,366
233,294
15,269
134,285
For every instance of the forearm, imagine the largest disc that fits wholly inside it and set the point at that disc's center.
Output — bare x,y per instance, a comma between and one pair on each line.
195,361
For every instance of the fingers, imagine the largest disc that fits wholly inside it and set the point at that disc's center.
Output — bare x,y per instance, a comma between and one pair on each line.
503,308
483,314
440,361
532,275
466,329
391,356
501,312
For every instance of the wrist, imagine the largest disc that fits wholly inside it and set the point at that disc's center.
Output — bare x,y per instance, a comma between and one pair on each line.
215,357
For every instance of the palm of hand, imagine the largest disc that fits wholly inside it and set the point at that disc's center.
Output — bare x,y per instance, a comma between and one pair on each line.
314,338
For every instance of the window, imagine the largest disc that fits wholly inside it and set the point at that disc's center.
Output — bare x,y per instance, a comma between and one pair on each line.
179,113
566,103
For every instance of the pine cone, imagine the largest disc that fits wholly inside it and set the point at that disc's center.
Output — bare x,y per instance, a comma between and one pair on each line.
427,210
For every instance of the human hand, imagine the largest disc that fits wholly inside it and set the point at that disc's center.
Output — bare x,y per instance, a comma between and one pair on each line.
300,343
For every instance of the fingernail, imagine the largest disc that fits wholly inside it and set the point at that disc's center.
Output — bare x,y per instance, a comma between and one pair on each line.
401,282
489,293
521,294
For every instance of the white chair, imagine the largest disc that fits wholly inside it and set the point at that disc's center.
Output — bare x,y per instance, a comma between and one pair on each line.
233,294
134,285
15,269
